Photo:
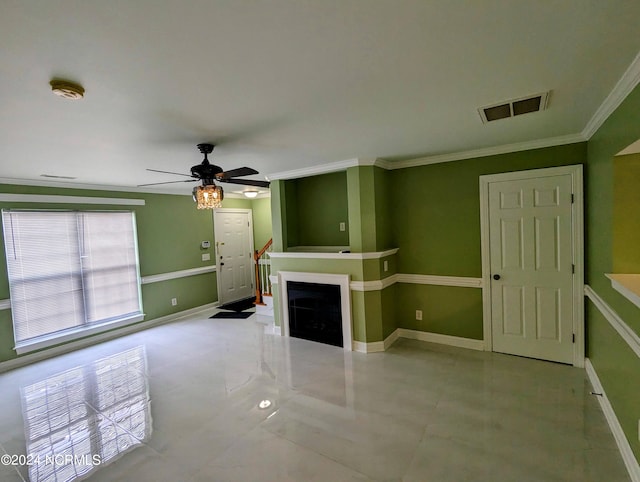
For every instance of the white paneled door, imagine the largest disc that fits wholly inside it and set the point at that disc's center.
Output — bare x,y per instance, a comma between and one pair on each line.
234,248
532,266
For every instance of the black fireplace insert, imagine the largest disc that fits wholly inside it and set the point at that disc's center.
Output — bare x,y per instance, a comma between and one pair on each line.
315,312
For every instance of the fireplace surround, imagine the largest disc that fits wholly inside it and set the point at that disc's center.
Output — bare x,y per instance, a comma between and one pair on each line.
340,281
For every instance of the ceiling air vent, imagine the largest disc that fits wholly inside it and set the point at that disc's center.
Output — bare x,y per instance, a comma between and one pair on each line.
512,108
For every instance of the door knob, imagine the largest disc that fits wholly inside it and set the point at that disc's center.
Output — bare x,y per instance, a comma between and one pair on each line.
221,264
496,277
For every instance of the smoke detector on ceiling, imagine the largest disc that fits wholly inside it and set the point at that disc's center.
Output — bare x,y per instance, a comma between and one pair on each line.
514,107
67,89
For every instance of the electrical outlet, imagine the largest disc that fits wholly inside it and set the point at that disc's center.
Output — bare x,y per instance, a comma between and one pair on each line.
418,314
174,301
385,265
343,226
206,257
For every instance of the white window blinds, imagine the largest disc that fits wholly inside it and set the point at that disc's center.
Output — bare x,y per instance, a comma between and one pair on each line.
69,271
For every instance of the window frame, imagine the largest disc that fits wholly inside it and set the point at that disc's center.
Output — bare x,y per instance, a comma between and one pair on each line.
70,334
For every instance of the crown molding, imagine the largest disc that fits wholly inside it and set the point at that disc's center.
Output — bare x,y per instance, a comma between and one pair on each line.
622,89
488,151
93,187
327,168
313,170
424,161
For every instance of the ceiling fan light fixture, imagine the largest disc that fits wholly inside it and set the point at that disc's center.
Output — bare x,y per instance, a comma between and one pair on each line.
67,89
250,194
208,197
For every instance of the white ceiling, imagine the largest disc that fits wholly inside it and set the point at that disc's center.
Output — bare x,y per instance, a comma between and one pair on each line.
283,85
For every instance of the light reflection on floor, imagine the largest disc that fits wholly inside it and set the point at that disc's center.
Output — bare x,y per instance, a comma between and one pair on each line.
81,419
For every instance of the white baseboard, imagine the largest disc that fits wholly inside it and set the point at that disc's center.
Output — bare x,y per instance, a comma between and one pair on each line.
623,444
363,347
441,339
378,346
94,340
359,346
391,339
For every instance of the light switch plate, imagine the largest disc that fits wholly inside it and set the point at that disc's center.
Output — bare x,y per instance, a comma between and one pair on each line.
343,226
206,257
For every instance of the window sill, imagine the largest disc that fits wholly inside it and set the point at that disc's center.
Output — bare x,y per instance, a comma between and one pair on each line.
47,341
628,285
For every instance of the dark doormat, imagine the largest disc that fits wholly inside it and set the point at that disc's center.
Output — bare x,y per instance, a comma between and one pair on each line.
233,314
240,305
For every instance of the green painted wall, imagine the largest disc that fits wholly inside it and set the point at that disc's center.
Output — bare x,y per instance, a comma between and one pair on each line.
317,205
436,208
389,310
170,230
261,221
279,219
626,214
448,310
362,209
384,209
236,203
617,368
292,220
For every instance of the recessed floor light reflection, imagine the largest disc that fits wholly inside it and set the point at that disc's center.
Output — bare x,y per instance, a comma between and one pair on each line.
264,404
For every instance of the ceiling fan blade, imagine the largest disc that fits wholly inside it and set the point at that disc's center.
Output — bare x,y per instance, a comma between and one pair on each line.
168,182
241,171
168,172
246,182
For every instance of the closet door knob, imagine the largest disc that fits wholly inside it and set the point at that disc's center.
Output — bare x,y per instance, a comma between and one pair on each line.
496,277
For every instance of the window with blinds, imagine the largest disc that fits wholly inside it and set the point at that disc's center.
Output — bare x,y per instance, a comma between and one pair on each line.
70,272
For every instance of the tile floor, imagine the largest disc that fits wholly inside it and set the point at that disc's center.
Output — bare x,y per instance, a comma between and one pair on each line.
224,400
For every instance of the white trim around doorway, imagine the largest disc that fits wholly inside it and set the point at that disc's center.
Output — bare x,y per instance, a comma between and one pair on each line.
577,211
249,213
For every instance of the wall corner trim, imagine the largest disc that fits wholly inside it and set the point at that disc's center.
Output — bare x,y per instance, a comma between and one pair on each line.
624,330
616,429
391,339
375,285
371,347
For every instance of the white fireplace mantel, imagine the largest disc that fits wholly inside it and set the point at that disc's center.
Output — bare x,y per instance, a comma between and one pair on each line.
341,280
